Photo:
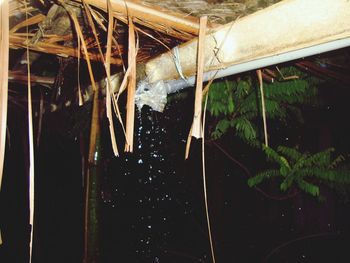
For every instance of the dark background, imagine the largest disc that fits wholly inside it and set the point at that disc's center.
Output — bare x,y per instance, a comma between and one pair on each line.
168,224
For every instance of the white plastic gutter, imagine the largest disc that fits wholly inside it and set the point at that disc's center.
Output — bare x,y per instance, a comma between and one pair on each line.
288,30
178,84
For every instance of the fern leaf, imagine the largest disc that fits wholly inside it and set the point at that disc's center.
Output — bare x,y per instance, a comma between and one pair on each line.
242,90
320,159
221,127
324,174
336,162
244,128
287,183
292,91
272,155
309,188
291,153
257,179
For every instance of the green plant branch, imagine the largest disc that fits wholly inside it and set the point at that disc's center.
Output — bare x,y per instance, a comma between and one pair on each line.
248,173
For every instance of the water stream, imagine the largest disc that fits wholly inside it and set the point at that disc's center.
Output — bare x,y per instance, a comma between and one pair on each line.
146,195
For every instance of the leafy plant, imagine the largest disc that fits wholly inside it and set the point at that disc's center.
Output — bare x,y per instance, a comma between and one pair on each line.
236,104
303,170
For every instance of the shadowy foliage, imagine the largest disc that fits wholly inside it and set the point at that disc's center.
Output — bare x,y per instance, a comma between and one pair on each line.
235,105
303,170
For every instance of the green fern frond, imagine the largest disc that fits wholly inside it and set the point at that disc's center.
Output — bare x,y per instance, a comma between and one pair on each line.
273,156
274,109
220,101
336,162
320,159
242,90
249,104
221,127
291,153
257,179
287,183
244,128
295,167
324,174
309,188
292,91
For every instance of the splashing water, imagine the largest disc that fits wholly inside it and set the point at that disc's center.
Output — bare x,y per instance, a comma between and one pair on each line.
146,193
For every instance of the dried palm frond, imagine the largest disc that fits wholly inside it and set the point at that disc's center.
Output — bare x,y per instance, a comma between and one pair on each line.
28,22
4,58
130,106
197,123
17,7
109,85
31,148
17,41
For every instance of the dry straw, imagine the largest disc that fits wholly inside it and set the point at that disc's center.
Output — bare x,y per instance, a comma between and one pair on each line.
31,153
130,105
4,58
109,86
263,108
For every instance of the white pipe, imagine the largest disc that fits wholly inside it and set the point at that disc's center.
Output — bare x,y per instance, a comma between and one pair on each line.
178,84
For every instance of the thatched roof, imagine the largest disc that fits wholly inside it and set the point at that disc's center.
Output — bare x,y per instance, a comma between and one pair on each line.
170,23
238,32
161,26
218,12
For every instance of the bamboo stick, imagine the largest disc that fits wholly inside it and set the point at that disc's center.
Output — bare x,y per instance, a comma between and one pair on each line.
263,109
94,31
196,127
205,184
80,96
15,76
4,58
31,153
55,49
99,21
197,118
91,219
91,226
83,43
153,17
110,98
130,105
108,86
